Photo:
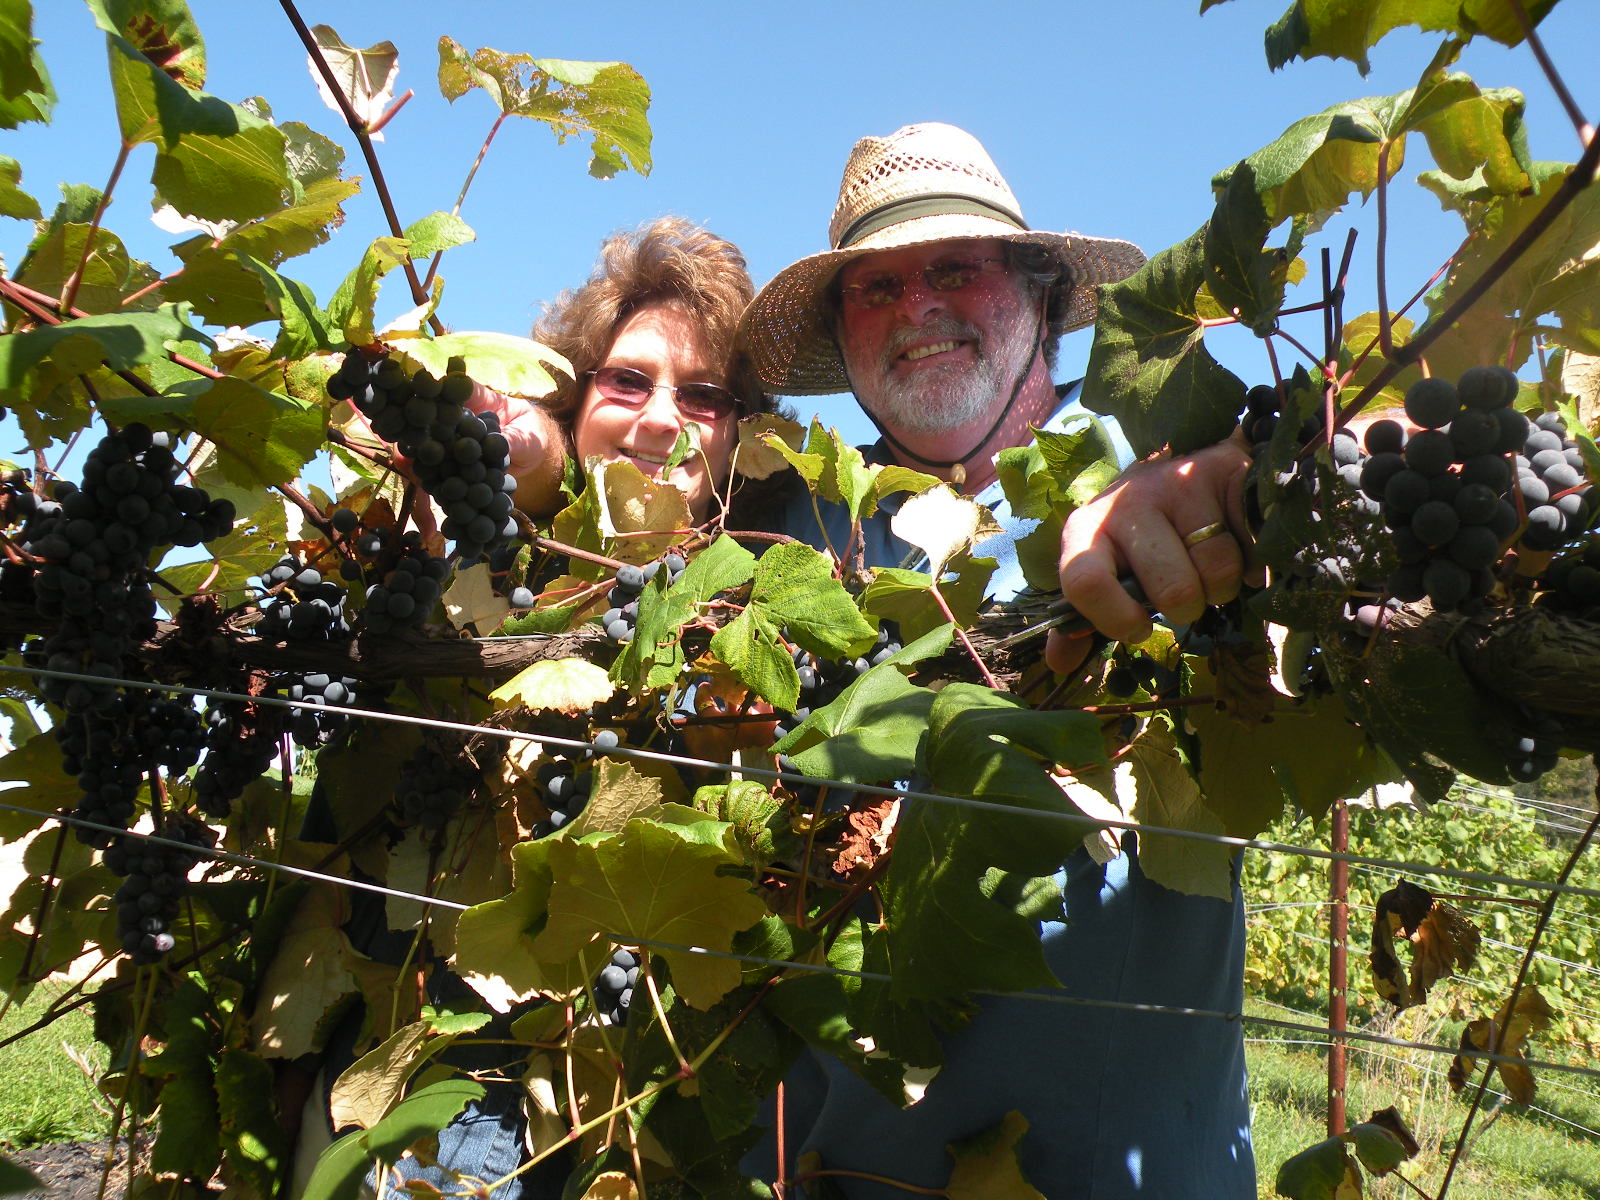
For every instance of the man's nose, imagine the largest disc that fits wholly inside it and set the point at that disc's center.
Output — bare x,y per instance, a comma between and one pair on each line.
917,300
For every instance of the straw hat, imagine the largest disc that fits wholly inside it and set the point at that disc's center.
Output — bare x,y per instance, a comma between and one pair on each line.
922,183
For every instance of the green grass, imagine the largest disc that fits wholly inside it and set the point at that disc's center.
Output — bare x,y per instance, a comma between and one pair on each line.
45,1096
1520,1155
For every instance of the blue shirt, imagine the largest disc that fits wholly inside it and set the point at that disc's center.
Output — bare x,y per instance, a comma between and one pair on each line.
1121,1104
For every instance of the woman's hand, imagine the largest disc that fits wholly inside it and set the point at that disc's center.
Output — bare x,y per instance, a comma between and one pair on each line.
538,448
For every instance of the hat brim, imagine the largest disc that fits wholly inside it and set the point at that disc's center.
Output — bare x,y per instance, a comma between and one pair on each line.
795,354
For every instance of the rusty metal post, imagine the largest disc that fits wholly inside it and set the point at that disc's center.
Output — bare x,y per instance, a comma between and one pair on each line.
1338,967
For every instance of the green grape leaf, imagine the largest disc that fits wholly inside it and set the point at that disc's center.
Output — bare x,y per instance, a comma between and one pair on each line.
294,229
495,951
215,161
987,1166
653,884
120,341
262,438
1322,1172
906,597
311,973
187,1141
868,734
1379,1147
25,91
248,550
1310,755
436,233
758,821
16,1179
1556,275
1476,136
990,747
794,586
253,1142
355,300
372,1085
14,202
1244,276
751,647
816,1005
424,1112
163,31
1349,28
340,1168
107,273
313,158
606,101
44,788
1148,365
1169,796
655,656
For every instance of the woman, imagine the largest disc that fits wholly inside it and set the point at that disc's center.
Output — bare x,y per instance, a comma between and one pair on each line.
650,340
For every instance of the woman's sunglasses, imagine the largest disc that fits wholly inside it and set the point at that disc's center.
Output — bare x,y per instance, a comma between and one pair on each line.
697,401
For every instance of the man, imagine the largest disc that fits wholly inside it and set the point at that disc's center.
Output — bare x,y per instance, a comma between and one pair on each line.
940,309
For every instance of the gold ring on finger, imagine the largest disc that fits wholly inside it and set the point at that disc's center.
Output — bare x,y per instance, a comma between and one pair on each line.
1192,540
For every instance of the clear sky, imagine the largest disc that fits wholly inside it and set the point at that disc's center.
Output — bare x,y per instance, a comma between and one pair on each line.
1107,118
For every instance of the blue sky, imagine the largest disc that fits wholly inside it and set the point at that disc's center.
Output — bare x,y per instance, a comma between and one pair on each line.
1107,119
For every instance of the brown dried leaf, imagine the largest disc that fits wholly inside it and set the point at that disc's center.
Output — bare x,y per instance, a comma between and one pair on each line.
871,829
1244,681
1390,1119
1443,943
1401,910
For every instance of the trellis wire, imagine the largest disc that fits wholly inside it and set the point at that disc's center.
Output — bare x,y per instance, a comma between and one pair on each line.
821,781
1037,995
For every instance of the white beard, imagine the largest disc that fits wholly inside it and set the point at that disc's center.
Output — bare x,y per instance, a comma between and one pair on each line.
935,401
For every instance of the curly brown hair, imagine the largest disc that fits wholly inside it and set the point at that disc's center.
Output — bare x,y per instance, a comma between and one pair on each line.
665,261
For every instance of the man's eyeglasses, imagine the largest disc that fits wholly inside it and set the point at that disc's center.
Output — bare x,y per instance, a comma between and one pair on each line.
697,401
951,276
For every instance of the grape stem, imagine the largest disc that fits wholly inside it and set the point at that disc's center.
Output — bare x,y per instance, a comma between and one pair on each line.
1557,84
1577,180
1546,912
555,547
69,290
364,139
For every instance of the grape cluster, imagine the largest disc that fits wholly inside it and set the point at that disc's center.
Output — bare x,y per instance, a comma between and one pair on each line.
1571,584
566,792
613,987
403,585
154,879
1554,489
299,605
1442,490
241,742
111,746
622,618
459,456
1132,670
434,785
89,545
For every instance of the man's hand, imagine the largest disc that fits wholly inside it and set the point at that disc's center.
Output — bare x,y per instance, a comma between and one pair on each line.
1177,525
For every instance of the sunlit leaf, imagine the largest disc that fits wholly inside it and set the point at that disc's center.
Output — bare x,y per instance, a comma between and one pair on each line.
365,77
941,524
14,202
515,366
565,685
1349,28
25,91
1169,796
603,100
755,456
986,1166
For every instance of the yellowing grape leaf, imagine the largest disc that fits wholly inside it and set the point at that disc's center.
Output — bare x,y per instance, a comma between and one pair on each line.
1169,796
755,455
471,599
370,1086
655,884
619,794
941,524
632,504
566,685
311,972
986,1164
611,1185
1244,681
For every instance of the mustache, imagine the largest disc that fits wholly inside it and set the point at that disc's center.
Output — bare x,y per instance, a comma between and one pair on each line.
940,328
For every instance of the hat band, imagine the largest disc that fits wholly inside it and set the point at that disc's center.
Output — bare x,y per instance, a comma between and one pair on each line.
939,204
